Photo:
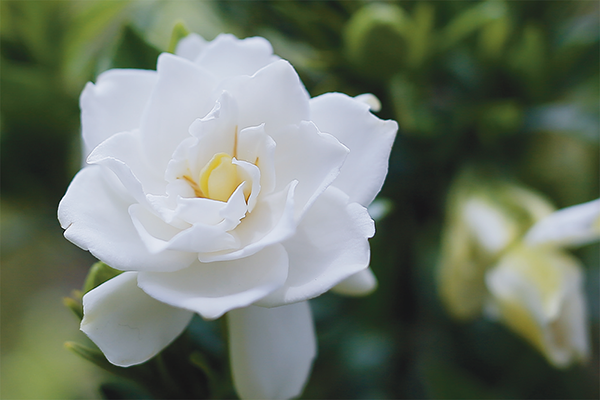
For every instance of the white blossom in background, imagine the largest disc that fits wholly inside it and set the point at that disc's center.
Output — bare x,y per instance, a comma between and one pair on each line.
504,255
221,187
536,287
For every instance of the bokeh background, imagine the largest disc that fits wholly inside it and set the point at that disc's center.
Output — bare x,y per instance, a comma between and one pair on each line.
510,86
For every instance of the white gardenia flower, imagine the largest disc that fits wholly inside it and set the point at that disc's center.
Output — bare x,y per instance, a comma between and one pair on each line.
220,186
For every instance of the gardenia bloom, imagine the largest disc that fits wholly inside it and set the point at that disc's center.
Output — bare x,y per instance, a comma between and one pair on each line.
219,186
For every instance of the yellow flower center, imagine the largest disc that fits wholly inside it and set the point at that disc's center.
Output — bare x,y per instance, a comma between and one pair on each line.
219,178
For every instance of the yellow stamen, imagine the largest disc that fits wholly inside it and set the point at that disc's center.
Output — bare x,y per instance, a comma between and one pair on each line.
194,185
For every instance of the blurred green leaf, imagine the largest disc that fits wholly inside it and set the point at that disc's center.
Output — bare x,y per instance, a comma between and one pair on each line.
93,33
528,60
95,356
179,32
73,303
412,112
97,275
470,20
494,36
134,52
499,119
420,35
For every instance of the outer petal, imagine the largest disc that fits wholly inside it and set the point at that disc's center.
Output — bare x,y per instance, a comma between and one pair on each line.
227,56
571,226
359,284
129,326
330,244
212,289
122,154
190,46
114,104
369,139
271,350
95,217
273,96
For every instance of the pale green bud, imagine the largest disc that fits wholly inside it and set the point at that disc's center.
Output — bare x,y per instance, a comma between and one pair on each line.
374,39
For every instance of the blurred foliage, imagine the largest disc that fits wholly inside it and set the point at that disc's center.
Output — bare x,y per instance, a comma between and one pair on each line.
507,86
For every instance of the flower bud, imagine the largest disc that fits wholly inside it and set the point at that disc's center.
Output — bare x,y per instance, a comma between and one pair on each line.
374,39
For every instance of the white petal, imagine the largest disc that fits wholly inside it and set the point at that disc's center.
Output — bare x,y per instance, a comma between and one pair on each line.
215,133
330,245
114,104
227,56
271,350
273,96
371,100
490,226
271,221
369,139
256,147
190,46
122,154
309,156
159,236
212,289
538,292
250,174
94,215
571,226
359,284
129,326
182,94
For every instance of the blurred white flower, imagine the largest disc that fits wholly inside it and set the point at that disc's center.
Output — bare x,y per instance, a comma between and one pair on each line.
502,254
221,187
571,226
484,217
538,293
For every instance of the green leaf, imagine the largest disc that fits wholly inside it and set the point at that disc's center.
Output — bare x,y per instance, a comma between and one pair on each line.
98,274
74,303
134,52
95,356
142,374
179,32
